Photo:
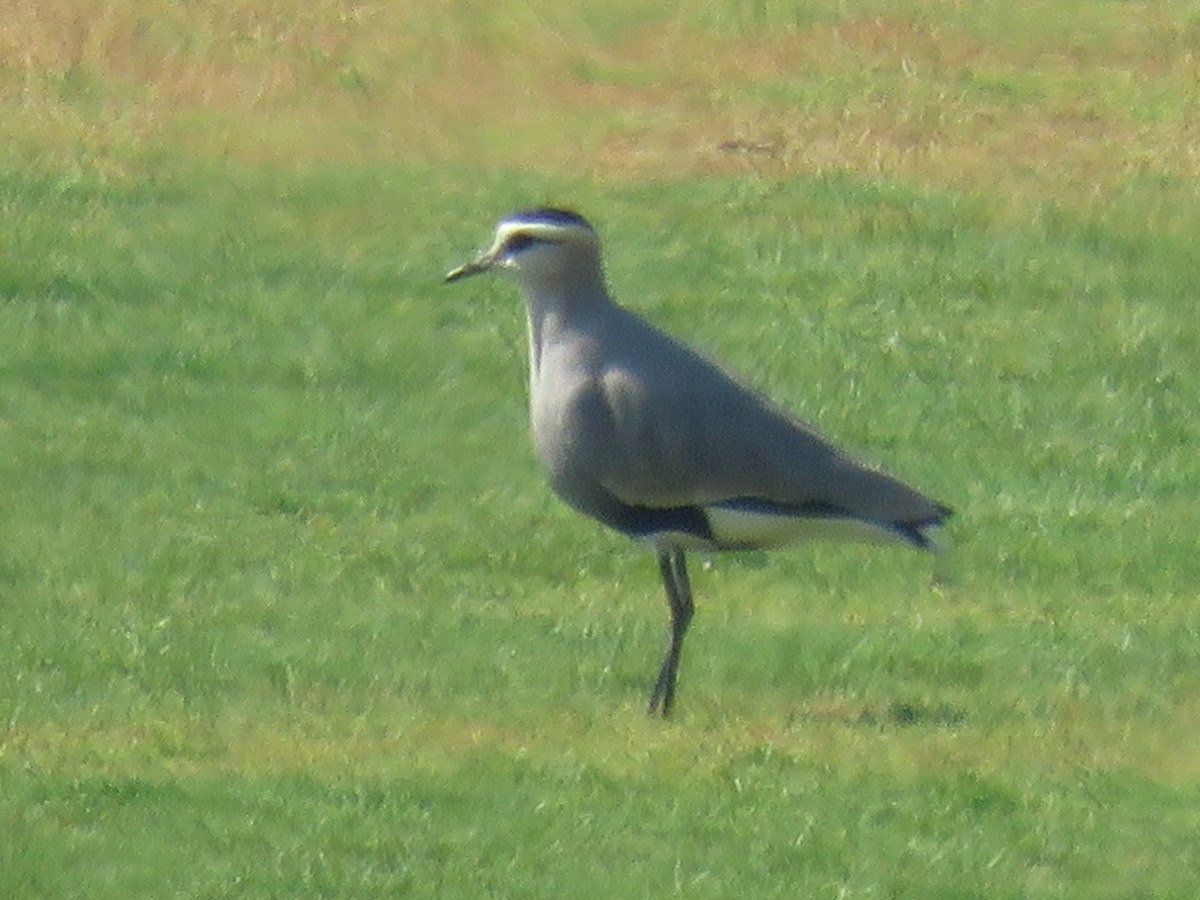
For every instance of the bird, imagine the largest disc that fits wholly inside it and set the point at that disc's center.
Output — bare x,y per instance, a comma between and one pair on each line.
649,437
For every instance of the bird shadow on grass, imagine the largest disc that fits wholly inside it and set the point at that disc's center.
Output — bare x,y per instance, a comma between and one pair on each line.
891,714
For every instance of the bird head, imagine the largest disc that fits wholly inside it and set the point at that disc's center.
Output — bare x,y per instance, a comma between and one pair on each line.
541,248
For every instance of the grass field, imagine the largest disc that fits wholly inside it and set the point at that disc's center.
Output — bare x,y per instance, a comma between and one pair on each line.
285,607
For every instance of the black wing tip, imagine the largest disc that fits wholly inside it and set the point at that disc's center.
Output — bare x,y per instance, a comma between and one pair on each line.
916,532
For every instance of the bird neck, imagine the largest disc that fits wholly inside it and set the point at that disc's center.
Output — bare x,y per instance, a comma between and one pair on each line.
555,306
554,297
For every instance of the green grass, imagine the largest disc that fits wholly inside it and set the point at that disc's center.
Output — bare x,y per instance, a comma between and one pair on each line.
286,608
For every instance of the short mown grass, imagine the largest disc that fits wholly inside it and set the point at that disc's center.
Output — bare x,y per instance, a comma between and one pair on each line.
286,608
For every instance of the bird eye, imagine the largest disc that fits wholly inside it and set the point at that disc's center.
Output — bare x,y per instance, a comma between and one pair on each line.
519,242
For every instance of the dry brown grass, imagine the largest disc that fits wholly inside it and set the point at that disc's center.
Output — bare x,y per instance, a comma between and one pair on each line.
303,83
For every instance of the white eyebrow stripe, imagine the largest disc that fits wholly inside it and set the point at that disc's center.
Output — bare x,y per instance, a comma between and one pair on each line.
542,231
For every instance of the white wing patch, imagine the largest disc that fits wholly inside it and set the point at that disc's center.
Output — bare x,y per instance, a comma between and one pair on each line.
761,530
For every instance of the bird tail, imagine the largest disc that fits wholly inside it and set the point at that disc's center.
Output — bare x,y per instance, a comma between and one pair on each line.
925,533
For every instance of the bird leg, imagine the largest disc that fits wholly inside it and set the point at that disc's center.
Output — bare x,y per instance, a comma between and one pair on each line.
673,566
